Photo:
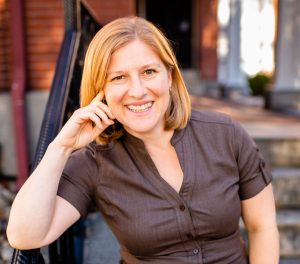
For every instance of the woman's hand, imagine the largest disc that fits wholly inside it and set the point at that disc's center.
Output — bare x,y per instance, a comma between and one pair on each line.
85,124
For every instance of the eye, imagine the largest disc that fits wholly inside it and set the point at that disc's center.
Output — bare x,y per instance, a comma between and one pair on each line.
149,71
118,78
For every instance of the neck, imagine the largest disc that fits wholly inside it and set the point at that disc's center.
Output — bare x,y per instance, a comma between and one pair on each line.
161,140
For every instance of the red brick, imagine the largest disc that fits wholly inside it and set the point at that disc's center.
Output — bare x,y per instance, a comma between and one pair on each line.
44,34
106,11
44,28
5,45
208,39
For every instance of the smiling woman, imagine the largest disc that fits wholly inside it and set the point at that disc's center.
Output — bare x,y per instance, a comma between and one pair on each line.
102,69
171,184
139,94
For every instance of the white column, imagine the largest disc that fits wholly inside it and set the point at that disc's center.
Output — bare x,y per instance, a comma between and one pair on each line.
230,73
257,36
287,69
286,88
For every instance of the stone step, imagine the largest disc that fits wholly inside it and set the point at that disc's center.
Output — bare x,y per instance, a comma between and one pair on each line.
192,81
289,228
288,222
280,151
279,142
289,261
286,182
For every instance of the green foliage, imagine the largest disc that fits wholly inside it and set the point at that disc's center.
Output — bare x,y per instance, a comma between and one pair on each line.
258,83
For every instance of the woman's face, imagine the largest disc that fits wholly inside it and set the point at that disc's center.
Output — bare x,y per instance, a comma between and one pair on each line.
137,89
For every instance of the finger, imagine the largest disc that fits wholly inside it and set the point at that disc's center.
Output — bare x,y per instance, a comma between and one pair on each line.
83,115
98,97
96,120
97,109
107,111
103,116
94,111
103,108
96,131
98,100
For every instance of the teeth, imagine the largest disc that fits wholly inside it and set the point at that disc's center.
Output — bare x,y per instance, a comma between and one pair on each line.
139,108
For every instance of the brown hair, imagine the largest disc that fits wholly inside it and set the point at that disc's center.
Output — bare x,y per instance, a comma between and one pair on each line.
115,35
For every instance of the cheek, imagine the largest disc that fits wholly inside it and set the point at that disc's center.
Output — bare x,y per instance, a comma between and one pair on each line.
113,95
160,87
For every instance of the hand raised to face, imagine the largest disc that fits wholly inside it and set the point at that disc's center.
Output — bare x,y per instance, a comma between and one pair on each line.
85,124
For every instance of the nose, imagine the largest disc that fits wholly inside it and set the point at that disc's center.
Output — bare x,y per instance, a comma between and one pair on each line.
137,88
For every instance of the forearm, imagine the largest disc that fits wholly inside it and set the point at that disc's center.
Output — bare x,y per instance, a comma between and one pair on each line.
33,208
36,215
264,246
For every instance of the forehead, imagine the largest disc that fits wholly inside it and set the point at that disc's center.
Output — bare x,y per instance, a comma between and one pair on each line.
134,54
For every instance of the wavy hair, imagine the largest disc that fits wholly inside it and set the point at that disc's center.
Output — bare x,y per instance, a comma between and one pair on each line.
115,35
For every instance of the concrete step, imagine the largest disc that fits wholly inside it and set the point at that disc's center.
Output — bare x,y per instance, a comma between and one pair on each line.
280,152
192,81
289,261
286,182
288,222
289,229
278,141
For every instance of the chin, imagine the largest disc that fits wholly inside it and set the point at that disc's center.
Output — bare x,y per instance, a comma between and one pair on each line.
140,129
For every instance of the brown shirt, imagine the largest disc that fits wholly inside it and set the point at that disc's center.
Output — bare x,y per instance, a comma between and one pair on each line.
155,224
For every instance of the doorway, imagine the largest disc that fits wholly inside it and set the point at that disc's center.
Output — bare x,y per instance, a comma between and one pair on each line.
174,17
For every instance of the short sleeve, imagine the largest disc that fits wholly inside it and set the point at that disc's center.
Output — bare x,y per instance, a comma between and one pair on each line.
76,183
253,172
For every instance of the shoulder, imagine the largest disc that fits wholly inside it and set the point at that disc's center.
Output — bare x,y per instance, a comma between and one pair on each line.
214,127
87,152
86,155
210,117
220,126
217,123
93,150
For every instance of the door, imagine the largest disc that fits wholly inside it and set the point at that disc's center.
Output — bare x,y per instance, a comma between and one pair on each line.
174,17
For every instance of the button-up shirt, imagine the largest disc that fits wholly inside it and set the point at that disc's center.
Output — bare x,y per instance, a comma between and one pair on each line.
152,222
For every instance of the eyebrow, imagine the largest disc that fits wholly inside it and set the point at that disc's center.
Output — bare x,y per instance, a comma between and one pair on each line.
151,65
155,64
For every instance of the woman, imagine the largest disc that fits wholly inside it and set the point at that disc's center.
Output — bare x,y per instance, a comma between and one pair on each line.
171,183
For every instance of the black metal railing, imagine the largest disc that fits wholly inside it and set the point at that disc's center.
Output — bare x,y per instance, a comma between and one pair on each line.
80,27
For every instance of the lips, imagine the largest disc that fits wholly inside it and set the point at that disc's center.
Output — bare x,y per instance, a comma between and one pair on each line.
139,108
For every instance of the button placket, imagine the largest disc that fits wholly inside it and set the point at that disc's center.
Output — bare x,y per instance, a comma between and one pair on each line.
181,207
195,251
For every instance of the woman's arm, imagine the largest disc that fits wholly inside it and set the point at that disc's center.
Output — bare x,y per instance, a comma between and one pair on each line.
259,216
36,204
38,216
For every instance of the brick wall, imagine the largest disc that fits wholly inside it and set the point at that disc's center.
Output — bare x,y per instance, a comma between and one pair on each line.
208,39
44,27
44,33
5,44
106,11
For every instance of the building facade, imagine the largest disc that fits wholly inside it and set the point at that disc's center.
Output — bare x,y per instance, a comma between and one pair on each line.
218,44
40,27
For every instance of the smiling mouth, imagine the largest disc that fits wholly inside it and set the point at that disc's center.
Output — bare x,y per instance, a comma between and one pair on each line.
140,108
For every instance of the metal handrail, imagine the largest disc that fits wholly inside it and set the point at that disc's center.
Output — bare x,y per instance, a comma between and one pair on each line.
63,99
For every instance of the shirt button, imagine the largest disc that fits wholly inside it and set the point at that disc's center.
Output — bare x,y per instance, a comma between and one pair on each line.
182,207
195,251
189,236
